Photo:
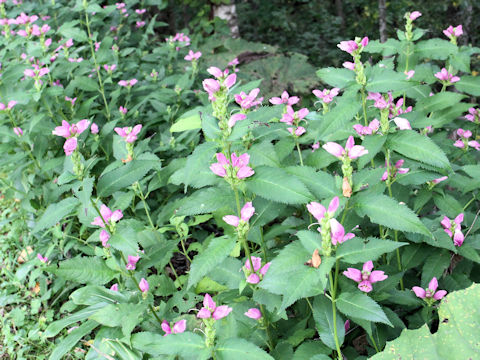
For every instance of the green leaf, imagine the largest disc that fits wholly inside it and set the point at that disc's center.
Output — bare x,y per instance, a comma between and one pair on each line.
235,348
187,344
55,212
310,240
435,265
288,276
320,183
418,147
357,250
200,158
218,250
360,306
388,48
469,84
90,295
84,83
208,200
125,315
323,315
373,144
91,270
72,29
385,211
459,316
277,185
189,120
124,240
383,80
263,154
435,49
67,343
123,176
439,101
336,77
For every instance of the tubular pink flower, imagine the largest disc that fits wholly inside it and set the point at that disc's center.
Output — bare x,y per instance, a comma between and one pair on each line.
208,302
210,309
204,313
256,261
254,313
234,118
247,211
215,71
402,123
440,179
317,210
349,46
338,232
179,326
244,172
431,292
70,145
285,99
326,95
334,149
316,146
104,237
451,31
221,311
366,277
253,279
166,327
349,65
444,75
420,292
211,86
143,285
18,131
265,268
458,238
42,259
132,262
230,80
114,287
410,74
94,128
218,169
354,274
364,41
333,206
231,220
63,130
415,15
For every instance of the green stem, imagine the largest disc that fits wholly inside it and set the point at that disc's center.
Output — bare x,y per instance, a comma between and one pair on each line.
185,251
333,287
364,106
374,343
299,152
243,239
145,206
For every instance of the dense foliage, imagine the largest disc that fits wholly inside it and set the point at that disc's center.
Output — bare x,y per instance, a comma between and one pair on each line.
155,204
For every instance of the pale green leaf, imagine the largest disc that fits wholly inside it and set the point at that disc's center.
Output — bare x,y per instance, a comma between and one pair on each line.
358,250
361,306
55,212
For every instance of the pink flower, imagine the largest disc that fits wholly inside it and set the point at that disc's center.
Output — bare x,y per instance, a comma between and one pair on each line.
104,237
215,71
349,65
380,101
290,116
453,229
193,55
349,46
210,309
128,133
94,128
318,210
107,215
473,116
132,262
245,214
316,146
453,32
140,11
234,118
256,275
230,80
397,169
127,83
351,150
338,233
67,130
247,101
326,95
140,24
415,15
431,292
143,285
42,259
211,86
114,287
234,62
440,179
18,131
254,313
366,277
372,128
297,131
178,327
72,101
285,99
445,76
402,123
410,74
70,145
123,110
238,168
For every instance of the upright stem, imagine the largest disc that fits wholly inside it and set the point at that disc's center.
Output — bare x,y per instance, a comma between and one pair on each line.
243,239
364,106
333,287
299,152
145,206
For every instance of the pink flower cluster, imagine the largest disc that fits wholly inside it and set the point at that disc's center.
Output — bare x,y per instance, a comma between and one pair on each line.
179,40
8,106
238,167
352,46
128,133
292,117
473,115
18,131
394,170
245,214
254,313
366,277
351,150
36,72
247,101
381,103
222,79
211,310
463,142
326,95
453,32
111,68
127,83
415,15
193,55
444,76
372,128
431,292
454,229
234,118
254,276
177,328
70,132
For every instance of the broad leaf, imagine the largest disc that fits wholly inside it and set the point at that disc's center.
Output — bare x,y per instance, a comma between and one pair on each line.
323,315
357,250
469,84
55,212
361,306
84,270
336,77
67,343
435,49
235,348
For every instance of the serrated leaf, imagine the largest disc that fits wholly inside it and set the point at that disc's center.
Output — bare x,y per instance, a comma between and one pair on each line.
67,343
205,201
385,211
438,101
189,120
288,276
387,48
217,251
187,344
277,185
235,348
469,84
90,295
435,265
84,270
383,80
435,49
360,306
323,315
336,77
124,176
459,316
418,147
55,212
357,250
84,83
320,183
